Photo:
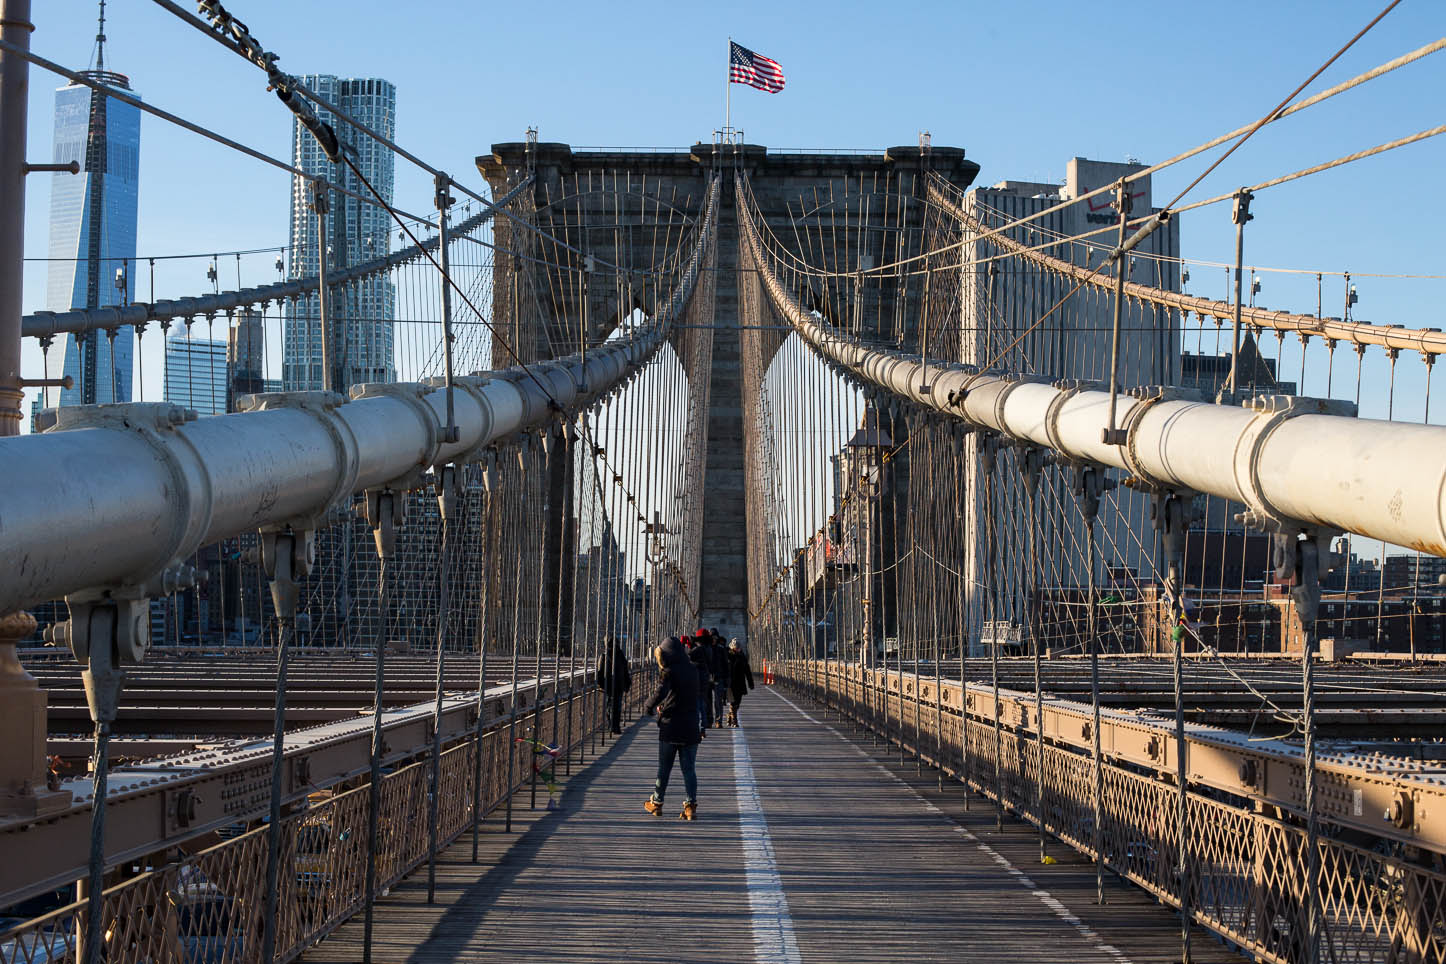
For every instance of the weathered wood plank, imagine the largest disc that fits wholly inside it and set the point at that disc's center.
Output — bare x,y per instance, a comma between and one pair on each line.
871,872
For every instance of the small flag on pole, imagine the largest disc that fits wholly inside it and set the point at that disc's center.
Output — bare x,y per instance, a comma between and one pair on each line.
755,70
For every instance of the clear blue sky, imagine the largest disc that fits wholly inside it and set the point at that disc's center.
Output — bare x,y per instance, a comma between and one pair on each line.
1022,86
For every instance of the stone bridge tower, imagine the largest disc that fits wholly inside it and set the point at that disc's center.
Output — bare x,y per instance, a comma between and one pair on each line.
616,191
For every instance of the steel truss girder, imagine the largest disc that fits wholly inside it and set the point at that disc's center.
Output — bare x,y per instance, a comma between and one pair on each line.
219,787
1353,790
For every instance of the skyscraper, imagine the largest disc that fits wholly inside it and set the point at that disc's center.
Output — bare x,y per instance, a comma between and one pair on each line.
355,232
196,373
246,354
93,230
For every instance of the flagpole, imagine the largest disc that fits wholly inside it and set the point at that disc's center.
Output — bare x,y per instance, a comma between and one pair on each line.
728,88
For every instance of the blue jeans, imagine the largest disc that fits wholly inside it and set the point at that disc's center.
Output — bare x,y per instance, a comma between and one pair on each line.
705,710
686,755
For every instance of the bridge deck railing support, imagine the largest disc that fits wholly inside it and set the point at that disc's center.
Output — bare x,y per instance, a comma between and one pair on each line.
1247,879
324,852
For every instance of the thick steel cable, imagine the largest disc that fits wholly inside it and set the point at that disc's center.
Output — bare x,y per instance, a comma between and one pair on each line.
1096,755
939,187
1324,166
215,33
278,753
488,554
95,879
1272,114
1280,113
522,455
223,140
705,227
374,783
41,324
446,507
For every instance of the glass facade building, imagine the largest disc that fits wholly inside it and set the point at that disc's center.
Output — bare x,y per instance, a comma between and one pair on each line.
94,211
196,373
362,313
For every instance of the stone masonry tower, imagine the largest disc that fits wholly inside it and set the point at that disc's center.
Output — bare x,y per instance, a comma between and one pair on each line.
600,185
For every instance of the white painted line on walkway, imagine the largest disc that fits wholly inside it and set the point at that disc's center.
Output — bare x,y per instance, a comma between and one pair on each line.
773,938
1044,897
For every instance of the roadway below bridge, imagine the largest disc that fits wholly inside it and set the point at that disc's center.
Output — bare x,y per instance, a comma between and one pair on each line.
812,844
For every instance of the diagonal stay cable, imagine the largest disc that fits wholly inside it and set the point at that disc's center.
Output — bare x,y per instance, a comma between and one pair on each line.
1408,58
243,44
447,279
1167,209
181,122
1283,104
1323,166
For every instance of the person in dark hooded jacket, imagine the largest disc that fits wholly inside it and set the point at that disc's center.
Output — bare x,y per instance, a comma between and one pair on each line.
702,658
740,678
614,678
718,651
676,703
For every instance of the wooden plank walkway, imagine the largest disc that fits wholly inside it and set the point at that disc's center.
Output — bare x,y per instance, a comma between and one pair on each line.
871,863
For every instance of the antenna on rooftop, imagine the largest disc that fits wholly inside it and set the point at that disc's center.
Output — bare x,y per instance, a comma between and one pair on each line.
100,40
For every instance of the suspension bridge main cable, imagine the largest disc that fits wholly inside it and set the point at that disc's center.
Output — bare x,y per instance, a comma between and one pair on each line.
1282,105
990,232
266,61
1326,166
1391,337
1279,114
244,45
1083,239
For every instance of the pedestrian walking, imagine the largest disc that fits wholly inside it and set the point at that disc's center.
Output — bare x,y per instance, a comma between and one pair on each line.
614,679
718,651
740,678
697,648
676,703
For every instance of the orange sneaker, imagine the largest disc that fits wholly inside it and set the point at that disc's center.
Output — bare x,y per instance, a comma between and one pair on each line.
654,807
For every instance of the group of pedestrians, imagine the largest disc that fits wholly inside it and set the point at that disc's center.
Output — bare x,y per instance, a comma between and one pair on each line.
699,675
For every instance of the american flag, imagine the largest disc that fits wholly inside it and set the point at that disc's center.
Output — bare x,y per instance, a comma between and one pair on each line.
755,70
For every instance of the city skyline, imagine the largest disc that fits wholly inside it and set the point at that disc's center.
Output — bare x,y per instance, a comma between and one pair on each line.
1316,223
